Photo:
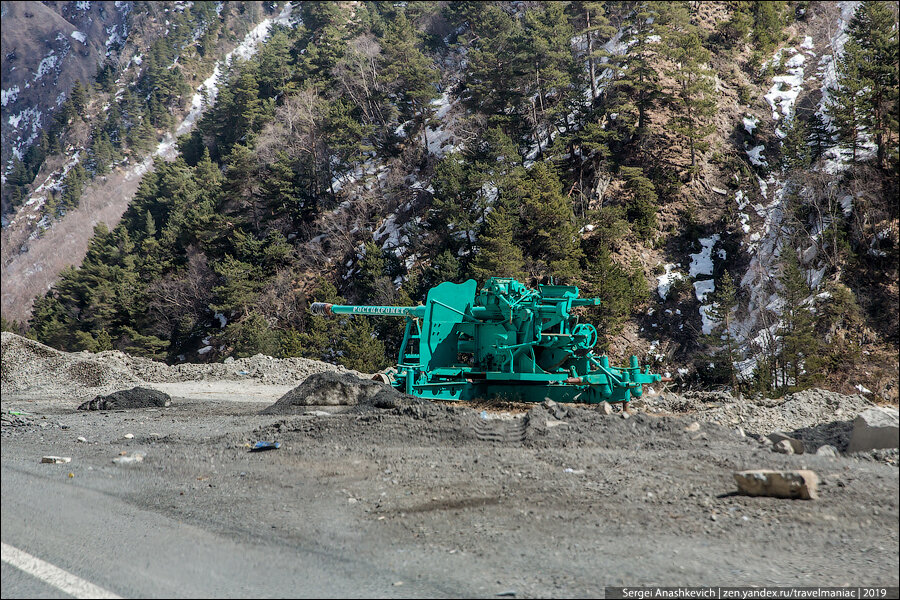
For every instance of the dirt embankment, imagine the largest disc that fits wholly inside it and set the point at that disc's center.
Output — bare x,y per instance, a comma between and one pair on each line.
29,367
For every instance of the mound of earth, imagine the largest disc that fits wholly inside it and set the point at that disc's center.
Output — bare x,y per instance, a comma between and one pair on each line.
27,364
337,389
136,397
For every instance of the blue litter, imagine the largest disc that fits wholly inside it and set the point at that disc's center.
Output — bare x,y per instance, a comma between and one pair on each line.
260,446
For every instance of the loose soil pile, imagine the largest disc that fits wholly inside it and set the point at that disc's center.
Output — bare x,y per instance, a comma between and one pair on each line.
816,417
136,397
334,389
31,367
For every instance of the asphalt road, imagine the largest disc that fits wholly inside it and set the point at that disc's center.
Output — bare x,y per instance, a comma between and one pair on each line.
132,552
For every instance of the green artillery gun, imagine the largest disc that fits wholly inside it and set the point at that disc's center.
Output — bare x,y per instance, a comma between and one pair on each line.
506,341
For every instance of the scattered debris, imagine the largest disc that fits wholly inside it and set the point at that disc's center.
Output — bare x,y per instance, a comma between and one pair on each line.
129,459
778,484
56,460
262,446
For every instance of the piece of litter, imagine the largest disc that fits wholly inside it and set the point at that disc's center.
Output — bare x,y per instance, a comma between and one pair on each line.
260,446
573,471
128,436
81,439
129,459
56,460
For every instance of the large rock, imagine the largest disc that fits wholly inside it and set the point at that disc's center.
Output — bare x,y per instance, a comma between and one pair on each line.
875,428
796,445
778,484
137,397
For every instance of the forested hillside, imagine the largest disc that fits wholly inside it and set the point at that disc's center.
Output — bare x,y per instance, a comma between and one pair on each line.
723,175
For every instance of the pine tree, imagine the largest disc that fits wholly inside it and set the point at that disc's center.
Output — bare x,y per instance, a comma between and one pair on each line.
636,89
819,137
498,255
642,203
547,232
873,28
720,310
595,27
795,150
78,97
797,335
694,94
412,74
360,349
846,102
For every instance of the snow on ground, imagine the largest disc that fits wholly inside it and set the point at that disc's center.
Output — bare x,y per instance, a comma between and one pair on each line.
440,139
209,90
759,327
704,288
785,88
756,156
750,123
48,64
667,279
701,262
77,35
9,95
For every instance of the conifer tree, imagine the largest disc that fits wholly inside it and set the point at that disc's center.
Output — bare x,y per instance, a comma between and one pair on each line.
642,203
873,28
846,103
637,88
498,255
694,94
595,27
797,335
795,150
78,97
547,231
720,310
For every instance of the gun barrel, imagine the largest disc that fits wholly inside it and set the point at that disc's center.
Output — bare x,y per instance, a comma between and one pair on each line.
325,308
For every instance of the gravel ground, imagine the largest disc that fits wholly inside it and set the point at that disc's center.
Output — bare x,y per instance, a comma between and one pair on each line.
538,501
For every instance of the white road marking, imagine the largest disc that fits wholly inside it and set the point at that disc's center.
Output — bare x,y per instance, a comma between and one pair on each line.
61,580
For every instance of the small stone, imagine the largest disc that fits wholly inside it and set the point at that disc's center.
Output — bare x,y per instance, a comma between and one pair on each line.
398,583
56,460
605,408
695,426
128,436
81,439
740,432
778,484
625,415
827,450
783,447
352,500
